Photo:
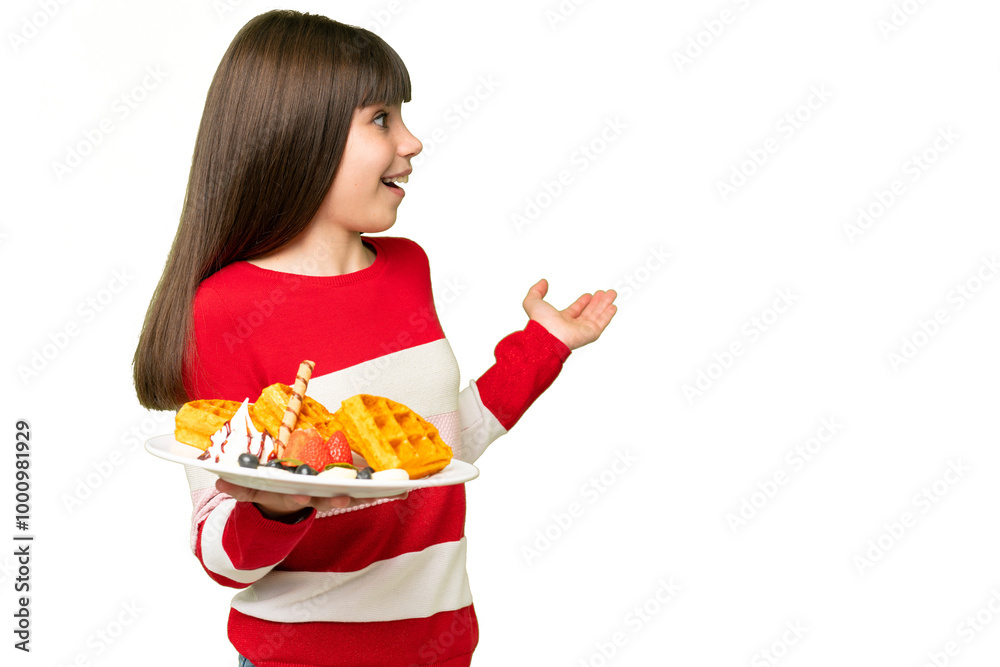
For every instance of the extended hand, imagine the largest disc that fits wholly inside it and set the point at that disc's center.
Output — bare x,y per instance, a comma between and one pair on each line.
579,324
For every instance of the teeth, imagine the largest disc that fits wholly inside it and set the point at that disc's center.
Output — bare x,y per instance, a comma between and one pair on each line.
397,179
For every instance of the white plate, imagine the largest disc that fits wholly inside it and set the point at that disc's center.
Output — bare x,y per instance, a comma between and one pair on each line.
283,481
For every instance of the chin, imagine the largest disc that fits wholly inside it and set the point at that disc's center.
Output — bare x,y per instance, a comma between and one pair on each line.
377,227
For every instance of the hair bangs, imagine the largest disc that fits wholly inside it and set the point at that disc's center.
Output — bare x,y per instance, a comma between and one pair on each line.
383,78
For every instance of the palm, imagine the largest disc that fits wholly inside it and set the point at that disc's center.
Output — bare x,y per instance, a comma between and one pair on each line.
579,324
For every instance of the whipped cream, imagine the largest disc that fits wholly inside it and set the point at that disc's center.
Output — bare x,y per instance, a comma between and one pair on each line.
239,436
391,474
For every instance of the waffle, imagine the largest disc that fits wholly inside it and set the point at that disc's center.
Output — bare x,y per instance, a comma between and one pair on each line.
196,421
390,435
269,409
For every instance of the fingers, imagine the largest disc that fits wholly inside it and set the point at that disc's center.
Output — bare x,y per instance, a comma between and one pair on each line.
603,318
287,503
594,306
277,502
334,503
602,300
597,315
579,305
603,308
241,493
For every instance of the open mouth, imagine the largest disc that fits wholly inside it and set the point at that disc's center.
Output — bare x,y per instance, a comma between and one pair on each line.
391,182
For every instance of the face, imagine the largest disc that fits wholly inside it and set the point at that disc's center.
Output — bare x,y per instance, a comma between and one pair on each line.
364,196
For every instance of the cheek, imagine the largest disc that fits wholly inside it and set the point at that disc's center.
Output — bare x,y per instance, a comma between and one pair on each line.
368,157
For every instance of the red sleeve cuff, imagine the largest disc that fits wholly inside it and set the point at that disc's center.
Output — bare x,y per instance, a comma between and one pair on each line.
546,339
252,540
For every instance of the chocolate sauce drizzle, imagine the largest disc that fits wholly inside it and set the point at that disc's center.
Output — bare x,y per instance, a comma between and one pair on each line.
250,443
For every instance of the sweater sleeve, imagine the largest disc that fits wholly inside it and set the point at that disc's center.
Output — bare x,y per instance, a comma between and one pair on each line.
235,543
527,363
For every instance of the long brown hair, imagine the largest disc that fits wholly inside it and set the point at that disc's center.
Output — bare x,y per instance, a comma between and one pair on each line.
272,133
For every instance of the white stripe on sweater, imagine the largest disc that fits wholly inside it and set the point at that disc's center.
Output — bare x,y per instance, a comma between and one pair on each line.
424,378
412,585
479,426
214,556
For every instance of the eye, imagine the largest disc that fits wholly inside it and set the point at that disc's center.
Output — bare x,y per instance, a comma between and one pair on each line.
381,119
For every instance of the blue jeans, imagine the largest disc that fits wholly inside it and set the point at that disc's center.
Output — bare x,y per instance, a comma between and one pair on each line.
244,662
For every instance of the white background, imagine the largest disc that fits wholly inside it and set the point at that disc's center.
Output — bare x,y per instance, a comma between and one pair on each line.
111,521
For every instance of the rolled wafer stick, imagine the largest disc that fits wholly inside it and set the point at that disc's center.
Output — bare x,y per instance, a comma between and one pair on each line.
294,403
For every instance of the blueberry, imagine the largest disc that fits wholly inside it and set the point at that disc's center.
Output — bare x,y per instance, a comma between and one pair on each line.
248,460
305,469
365,473
274,464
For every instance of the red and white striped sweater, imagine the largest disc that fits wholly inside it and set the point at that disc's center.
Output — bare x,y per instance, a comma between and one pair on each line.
383,584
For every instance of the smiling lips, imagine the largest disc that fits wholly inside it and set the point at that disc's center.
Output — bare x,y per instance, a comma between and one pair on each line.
392,180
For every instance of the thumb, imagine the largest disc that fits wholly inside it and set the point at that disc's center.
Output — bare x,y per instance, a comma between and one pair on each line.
538,290
535,294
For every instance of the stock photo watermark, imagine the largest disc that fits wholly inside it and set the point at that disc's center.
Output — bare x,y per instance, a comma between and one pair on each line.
382,17
8,571
456,115
899,15
912,170
966,631
223,7
779,648
86,311
561,12
634,280
589,493
750,505
263,310
22,542
76,153
710,31
98,642
432,650
922,502
751,331
446,293
87,483
32,24
787,126
927,329
632,623
580,160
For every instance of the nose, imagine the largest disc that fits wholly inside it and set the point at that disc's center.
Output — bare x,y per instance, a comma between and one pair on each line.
409,145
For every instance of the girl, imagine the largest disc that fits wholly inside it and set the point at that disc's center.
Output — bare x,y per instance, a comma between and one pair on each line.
299,155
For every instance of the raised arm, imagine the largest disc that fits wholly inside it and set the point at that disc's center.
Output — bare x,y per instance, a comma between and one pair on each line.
527,362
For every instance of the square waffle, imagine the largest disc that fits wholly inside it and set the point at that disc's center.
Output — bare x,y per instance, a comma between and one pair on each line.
390,435
196,421
269,409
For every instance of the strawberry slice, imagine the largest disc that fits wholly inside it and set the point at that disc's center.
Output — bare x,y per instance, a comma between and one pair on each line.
339,450
306,445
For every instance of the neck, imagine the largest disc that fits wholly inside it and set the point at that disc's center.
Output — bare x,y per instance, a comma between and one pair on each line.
319,252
